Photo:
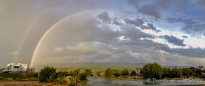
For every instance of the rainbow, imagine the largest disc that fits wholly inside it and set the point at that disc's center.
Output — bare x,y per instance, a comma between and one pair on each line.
61,20
24,38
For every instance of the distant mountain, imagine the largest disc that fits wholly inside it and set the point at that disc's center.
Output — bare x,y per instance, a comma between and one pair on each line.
99,65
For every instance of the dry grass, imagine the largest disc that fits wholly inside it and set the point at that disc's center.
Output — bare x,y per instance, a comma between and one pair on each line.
21,83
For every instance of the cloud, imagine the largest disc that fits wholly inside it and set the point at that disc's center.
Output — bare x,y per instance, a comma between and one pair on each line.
174,40
150,10
136,22
104,16
58,49
200,3
82,48
149,26
115,21
15,53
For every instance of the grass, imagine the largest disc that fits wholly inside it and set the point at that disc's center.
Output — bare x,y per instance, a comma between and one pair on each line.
17,75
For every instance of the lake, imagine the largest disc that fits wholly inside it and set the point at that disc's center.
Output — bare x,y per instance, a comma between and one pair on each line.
100,81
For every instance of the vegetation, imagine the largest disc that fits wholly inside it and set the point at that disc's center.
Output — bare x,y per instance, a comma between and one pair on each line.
47,74
166,72
185,71
109,72
152,70
116,73
125,72
18,77
88,72
176,72
83,76
133,72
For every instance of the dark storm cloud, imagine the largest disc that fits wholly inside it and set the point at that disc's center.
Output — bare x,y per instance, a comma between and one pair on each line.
190,25
200,3
133,2
115,21
150,10
174,40
149,26
191,52
133,33
104,17
136,22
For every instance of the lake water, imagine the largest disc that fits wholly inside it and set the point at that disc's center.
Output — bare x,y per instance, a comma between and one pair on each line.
100,81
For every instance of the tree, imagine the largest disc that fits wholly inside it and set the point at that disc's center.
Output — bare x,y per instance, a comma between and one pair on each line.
76,72
116,72
201,67
176,72
47,74
125,72
88,72
83,76
152,70
133,72
166,72
185,71
108,72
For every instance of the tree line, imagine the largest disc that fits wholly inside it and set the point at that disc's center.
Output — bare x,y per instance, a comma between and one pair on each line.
154,70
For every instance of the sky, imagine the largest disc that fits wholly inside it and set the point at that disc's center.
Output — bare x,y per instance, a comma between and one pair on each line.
43,32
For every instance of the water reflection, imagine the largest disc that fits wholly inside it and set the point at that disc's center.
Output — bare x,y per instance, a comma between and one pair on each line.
100,81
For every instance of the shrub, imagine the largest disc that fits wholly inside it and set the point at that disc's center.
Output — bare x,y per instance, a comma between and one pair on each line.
185,71
35,75
116,72
47,74
133,72
125,72
166,72
83,76
108,72
152,70
176,72
88,72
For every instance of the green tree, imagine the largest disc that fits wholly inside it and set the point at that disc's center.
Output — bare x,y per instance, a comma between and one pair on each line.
166,72
133,72
83,76
185,71
176,72
125,72
76,72
47,74
200,67
116,72
109,72
152,70
88,72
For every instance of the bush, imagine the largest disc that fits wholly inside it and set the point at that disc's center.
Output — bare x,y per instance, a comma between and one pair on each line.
47,74
166,72
133,72
35,75
117,72
152,70
176,72
125,72
108,72
83,76
185,71
88,72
